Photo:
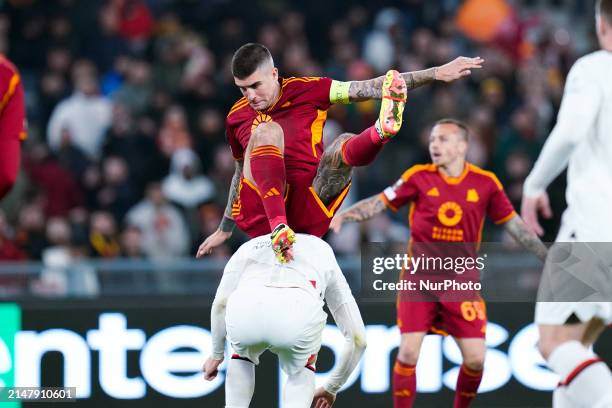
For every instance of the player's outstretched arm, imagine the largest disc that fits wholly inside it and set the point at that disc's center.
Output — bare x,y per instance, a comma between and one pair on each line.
360,211
218,330
224,231
458,68
526,237
350,323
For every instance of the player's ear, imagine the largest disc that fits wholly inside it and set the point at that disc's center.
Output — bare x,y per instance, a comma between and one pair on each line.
463,146
275,73
599,25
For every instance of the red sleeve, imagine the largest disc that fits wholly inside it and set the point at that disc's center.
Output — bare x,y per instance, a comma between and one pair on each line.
12,130
318,91
500,208
235,146
401,193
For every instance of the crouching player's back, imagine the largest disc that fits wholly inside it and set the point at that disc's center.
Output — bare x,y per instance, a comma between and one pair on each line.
262,305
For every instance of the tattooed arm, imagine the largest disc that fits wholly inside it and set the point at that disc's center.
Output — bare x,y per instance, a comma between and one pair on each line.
360,211
364,209
526,237
458,68
227,222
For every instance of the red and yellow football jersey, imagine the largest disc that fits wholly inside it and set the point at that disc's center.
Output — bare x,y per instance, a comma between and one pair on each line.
301,110
449,209
12,123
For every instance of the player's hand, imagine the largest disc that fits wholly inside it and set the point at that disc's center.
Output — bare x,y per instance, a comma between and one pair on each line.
458,68
336,223
323,399
530,206
211,368
214,240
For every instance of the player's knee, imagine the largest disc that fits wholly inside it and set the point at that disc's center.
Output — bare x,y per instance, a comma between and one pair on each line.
408,355
474,361
268,133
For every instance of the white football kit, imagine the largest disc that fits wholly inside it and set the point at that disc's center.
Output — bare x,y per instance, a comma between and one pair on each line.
582,142
264,305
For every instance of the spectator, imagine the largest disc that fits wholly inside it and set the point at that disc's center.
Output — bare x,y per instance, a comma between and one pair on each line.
103,239
137,89
58,188
174,133
9,250
131,243
185,185
164,231
115,194
30,234
81,119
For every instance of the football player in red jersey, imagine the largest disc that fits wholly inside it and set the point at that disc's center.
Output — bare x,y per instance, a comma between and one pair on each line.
12,124
449,201
284,177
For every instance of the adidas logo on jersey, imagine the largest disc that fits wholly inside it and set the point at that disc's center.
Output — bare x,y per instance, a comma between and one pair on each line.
472,196
433,192
271,193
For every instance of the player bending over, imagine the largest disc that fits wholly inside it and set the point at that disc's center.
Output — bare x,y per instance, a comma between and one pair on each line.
262,304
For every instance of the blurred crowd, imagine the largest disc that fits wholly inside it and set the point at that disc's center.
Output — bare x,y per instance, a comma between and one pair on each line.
126,102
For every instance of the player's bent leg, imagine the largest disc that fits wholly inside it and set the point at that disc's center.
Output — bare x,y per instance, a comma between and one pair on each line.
470,374
239,383
266,134
404,371
362,149
473,352
585,378
333,174
299,389
266,167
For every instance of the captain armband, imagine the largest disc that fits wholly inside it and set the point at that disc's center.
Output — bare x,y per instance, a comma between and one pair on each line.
339,92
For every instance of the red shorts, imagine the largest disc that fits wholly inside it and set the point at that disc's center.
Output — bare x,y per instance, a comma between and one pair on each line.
306,213
459,319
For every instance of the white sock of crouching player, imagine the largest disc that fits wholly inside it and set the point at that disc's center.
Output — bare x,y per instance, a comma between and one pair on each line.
585,378
299,389
239,383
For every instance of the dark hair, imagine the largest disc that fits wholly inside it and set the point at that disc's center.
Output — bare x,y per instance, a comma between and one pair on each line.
465,132
604,9
248,58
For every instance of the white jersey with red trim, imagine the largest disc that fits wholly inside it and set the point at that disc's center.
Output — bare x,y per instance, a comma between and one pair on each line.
582,142
314,269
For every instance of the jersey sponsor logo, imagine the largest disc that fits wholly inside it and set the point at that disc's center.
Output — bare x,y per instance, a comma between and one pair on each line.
472,196
447,234
259,119
450,213
433,192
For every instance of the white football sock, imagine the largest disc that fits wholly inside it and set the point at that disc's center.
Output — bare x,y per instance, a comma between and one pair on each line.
587,382
299,389
239,383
